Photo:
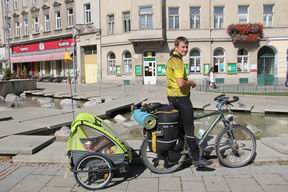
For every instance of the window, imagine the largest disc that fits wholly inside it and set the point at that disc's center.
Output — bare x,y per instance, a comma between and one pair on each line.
58,20
126,22
90,50
46,23
218,17
173,17
87,13
110,24
36,25
111,64
146,14
194,60
24,3
17,29
26,26
127,63
194,17
242,61
70,21
219,60
268,15
15,3
243,15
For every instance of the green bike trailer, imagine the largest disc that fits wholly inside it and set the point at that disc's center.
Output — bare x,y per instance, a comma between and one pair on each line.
95,150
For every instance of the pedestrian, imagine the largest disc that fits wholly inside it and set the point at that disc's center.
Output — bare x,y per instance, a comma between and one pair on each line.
211,76
286,82
178,93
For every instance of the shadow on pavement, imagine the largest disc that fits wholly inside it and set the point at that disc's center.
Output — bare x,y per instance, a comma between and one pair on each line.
133,172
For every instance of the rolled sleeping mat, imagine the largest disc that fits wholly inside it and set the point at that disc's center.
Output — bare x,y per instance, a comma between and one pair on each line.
145,119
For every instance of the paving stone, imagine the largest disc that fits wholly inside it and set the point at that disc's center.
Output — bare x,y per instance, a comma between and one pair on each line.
170,184
215,183
278,143
37,181
3,167
242,184
60,181
143,185
54,153
52,170
275,188
189,186
24,144
281,169
11,180
11,128
271,179
191,179
39,170
184,172
56,189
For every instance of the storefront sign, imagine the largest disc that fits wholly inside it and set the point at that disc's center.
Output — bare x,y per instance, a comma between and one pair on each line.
253,68
138,70
232,68
206,68
41,46
161,69
118,70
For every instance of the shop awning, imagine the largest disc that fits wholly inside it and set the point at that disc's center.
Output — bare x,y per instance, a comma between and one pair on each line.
36,58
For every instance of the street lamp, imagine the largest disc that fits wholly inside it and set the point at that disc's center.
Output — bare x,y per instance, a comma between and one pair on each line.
75,30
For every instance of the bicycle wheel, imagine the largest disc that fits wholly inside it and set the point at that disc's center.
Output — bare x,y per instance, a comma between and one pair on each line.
93,171
160,163
235,147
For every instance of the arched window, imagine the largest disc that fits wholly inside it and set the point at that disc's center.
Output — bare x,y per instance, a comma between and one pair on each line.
195,59
127,63
111,64
219,60
242,60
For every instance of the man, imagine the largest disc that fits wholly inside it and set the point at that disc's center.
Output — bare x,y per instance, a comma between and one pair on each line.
178,92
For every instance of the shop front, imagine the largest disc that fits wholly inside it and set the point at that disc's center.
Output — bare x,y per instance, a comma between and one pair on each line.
42,59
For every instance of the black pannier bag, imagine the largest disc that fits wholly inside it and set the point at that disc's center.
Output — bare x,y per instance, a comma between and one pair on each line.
167,129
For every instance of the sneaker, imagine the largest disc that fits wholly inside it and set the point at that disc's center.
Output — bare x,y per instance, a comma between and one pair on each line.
202,163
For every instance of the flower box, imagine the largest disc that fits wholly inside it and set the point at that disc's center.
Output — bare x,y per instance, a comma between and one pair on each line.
245,32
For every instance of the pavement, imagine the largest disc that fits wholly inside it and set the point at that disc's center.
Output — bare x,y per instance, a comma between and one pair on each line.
42,167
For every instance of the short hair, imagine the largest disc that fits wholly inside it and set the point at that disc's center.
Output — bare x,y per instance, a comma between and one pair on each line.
180,39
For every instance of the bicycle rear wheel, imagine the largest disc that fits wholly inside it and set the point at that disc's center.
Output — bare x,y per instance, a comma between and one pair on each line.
160,163
235,147
93,171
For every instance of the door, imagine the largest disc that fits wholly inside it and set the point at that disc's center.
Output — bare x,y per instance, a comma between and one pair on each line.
149,71
90,68
266,71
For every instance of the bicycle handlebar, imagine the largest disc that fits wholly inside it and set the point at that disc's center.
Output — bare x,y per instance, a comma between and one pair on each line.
235,98
216,98
222,97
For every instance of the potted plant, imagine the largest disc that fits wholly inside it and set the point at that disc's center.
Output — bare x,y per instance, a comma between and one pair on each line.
245,32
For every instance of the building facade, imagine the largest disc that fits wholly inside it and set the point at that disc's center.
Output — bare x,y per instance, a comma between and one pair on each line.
88,40
136,38
40,31
132,39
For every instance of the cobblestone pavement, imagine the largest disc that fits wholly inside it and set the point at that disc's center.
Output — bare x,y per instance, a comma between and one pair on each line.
55,177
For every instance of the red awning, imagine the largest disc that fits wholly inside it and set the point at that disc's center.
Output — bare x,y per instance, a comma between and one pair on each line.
36,58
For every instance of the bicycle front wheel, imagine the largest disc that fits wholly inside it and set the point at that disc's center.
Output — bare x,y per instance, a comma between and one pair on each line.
159,163
235,147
